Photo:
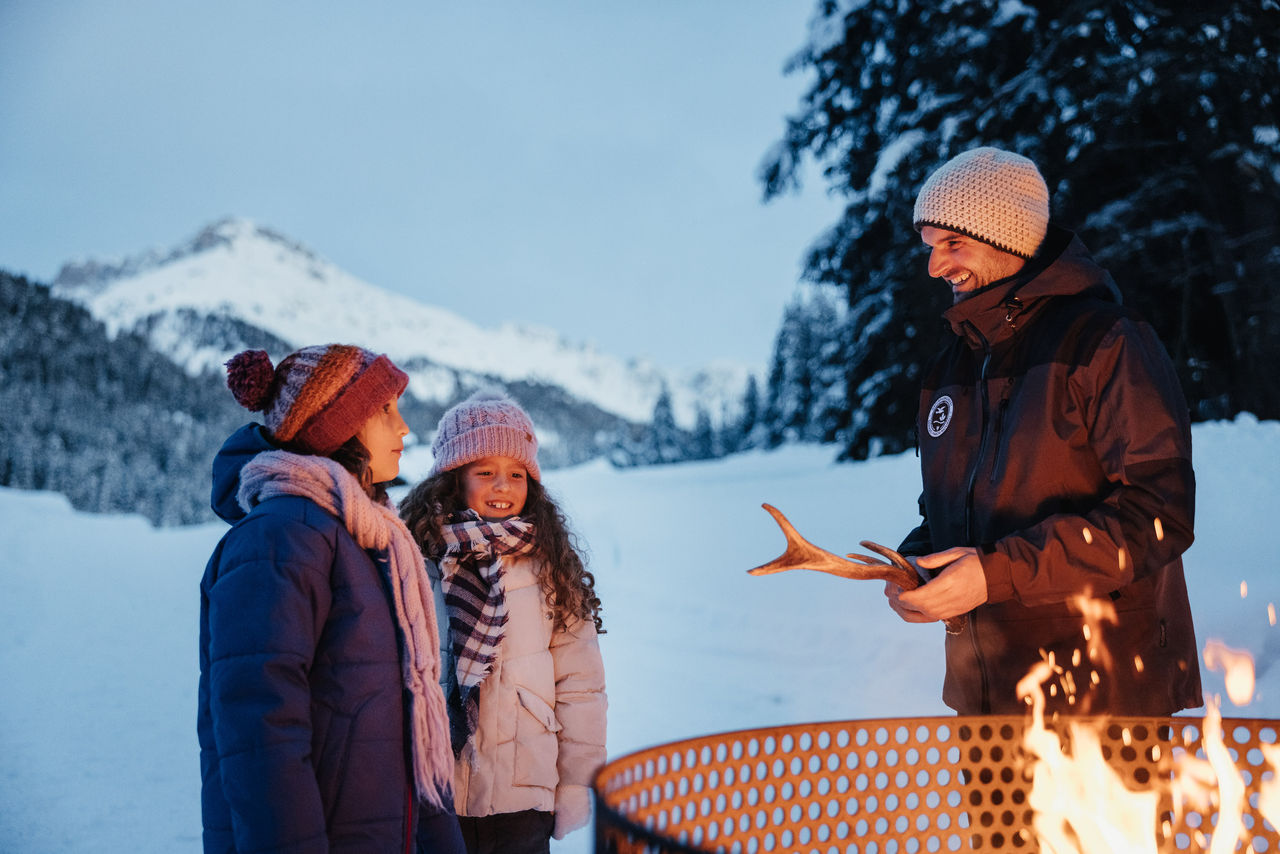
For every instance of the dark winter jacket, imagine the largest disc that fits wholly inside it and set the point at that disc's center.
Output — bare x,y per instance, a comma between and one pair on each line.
1054,437
302,718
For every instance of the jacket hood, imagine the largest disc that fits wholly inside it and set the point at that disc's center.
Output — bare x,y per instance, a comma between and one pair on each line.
242,446
1062,267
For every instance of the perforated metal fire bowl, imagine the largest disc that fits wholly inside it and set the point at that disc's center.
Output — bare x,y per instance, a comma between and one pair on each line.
890,785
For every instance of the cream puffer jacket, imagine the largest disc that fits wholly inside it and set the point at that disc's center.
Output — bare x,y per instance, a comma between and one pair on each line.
541,734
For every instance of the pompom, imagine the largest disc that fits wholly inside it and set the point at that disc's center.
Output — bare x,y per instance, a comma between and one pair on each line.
249,376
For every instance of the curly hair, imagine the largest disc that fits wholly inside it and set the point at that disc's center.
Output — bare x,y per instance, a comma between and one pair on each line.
569,588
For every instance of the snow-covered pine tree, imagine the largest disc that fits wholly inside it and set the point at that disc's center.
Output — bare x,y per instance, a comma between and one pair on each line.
1154,124
703,445
668,443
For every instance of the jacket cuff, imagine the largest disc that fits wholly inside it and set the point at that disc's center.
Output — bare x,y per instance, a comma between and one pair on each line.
998,570
573,810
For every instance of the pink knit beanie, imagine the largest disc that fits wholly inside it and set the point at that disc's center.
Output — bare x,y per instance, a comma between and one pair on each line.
317,397
487,424
995,196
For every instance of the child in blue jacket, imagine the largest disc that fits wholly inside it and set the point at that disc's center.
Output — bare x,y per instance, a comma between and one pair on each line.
321,722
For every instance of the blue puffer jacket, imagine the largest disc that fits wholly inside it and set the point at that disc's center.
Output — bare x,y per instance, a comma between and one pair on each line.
302,718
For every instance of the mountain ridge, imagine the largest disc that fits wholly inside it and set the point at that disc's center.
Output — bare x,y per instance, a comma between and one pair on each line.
237,272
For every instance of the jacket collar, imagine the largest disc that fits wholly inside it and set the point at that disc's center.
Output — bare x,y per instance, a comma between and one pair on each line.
1062,267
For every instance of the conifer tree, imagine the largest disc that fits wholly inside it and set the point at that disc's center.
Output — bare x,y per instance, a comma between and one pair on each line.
1153,123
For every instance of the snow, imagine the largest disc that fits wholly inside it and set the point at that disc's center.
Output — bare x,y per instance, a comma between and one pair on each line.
98,624
238,269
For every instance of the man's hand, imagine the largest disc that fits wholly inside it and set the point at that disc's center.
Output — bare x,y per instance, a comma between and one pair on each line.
958,589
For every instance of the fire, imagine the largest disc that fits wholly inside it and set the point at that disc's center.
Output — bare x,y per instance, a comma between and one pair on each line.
1238,666
1269,789
1083,806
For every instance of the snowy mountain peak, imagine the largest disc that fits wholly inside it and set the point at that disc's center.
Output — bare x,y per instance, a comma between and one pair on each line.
235,271
95,274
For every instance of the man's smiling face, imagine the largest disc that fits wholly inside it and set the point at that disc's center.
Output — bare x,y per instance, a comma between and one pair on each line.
967,265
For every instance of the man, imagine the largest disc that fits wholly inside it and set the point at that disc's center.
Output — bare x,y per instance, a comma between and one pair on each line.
1055,450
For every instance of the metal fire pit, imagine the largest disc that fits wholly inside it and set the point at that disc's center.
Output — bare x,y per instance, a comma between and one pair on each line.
890,785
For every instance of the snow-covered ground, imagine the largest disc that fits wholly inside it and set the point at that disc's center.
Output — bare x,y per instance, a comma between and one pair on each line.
98,617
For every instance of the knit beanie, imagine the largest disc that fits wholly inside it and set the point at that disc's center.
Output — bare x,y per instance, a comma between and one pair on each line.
487,424
317,397
994,196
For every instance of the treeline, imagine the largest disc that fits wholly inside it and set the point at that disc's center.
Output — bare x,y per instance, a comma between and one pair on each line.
110,423
118,427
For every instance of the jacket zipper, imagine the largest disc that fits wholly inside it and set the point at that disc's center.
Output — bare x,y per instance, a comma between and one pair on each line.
409,822
982,445
998,437
968,511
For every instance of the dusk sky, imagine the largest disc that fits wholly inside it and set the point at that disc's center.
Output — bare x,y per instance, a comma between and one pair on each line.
588,167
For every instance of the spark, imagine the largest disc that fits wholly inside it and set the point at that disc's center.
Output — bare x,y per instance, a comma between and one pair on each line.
1088,535
1137,663
1271,613
1159,529
1244,589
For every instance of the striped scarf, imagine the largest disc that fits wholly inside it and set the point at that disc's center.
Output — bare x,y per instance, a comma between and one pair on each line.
471,566
376,526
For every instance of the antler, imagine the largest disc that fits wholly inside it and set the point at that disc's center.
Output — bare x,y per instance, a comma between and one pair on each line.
802,554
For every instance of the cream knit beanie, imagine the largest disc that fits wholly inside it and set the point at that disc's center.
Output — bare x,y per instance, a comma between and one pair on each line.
995,196
487,424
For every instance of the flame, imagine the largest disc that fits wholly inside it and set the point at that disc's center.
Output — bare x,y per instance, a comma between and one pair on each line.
1238,666
1081,804
1269,788
1213,780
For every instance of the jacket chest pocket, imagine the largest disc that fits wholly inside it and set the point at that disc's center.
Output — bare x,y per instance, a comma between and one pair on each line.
536,744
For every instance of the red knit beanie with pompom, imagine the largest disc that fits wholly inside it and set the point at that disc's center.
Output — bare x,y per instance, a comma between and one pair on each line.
318,397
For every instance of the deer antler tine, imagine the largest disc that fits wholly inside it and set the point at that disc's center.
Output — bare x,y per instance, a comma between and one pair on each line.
893,556
799,552
802,554
784,523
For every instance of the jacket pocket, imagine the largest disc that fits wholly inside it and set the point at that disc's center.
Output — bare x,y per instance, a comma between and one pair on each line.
536,744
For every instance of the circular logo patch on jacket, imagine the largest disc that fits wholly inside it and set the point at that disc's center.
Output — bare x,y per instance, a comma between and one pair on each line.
940,415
